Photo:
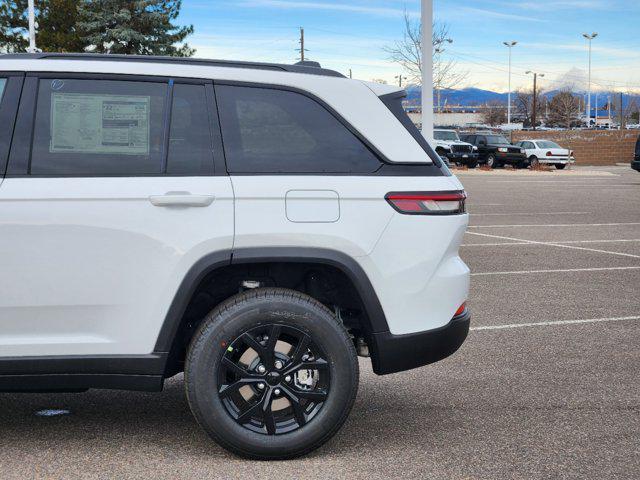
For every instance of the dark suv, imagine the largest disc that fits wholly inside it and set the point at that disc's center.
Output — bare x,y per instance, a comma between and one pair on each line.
635,164
495,150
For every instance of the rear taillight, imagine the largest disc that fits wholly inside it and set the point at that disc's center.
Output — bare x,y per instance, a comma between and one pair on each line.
549,154
428,203
461,309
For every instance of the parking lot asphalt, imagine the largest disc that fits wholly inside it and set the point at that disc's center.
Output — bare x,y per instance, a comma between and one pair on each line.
546,386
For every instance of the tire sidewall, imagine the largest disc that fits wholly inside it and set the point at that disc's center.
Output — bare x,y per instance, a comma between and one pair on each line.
222,328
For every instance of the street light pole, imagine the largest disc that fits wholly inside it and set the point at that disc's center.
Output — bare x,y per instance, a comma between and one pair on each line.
509,45
32,27
589,38
427,69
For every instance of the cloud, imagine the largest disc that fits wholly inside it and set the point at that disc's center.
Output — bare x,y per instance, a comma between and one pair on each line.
495,14
337,7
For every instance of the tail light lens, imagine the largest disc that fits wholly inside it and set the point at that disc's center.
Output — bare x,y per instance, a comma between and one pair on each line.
428,203
461,309
549,154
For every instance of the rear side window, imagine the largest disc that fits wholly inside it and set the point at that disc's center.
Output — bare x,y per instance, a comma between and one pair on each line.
393,102
3,82
98,127
278,131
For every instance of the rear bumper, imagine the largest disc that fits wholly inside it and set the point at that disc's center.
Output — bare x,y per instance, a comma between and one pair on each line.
636,165
555,160
395,353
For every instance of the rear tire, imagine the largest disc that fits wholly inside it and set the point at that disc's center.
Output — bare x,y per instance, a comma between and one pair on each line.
491,161
560,166
533,161
236,404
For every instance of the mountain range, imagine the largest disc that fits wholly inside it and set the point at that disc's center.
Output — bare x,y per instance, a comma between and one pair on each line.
472,96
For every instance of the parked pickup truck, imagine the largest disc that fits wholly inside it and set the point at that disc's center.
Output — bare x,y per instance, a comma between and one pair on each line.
447,144
547,152
635,164
495,150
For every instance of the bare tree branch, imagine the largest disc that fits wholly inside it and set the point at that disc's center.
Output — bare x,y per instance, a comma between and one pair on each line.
408,53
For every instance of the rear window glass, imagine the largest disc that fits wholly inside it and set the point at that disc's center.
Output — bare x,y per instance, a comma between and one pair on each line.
548,144
269,130
393,102
445,135
3,81
497,140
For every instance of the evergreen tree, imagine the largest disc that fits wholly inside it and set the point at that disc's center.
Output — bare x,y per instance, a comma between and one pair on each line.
56,31
141,27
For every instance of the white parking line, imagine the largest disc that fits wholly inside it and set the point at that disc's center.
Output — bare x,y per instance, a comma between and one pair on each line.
550,242
560,245
527,213
553,323
559,270
556,225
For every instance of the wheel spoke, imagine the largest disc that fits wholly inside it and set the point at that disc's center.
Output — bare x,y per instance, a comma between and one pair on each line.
249,413
237,369
317,364
269,348
226,390
312,395
301,349
253,343
267,413
298,411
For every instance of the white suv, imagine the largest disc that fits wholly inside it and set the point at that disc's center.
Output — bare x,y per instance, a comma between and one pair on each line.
253,225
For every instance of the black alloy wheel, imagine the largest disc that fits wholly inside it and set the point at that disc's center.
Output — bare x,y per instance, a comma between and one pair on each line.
273,379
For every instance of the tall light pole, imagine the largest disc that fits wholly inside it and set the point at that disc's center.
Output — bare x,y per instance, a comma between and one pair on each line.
400,78
440,50
509,45
32,27
589,38
427,69
535,97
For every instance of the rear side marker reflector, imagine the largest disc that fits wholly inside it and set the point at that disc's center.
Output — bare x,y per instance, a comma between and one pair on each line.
428,203
460,310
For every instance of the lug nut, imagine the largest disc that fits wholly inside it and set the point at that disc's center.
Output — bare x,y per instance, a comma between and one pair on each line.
278,364
287,378
277,391
261,369
261,386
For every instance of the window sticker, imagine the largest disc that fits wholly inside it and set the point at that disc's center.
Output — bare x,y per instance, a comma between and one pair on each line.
100,124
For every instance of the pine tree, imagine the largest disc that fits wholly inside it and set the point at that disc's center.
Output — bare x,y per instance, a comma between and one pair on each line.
141,27
55,19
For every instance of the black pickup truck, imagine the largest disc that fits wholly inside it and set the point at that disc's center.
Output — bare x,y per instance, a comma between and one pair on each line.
495,150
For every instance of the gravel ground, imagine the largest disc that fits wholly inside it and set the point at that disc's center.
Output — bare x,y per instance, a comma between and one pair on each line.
541,401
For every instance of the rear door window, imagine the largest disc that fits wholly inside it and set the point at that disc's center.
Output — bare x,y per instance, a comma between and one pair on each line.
190,147
268,130
3,82
98,127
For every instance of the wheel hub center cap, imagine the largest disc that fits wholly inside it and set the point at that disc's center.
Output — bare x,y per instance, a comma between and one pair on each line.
273,378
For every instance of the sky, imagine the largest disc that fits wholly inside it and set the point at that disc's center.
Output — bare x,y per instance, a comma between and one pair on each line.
344,34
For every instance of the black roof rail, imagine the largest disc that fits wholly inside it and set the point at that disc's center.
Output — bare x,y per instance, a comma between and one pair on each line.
312,68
